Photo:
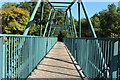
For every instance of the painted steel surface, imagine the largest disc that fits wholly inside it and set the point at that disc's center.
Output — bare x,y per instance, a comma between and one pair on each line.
98,58
1,57
19,55
32,18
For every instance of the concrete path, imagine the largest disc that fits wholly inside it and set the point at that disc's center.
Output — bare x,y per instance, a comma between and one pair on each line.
57,64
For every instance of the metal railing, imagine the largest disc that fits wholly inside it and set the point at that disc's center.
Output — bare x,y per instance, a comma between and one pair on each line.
98,58
19,55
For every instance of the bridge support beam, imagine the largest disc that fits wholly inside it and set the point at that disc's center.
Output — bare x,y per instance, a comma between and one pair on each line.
31,18
106,73
66,23
71,5
79,21
72,23
41,17
88,19
52,22
49,19
69,27
54,29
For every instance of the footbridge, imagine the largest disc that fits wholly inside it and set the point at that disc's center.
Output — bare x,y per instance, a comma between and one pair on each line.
29,57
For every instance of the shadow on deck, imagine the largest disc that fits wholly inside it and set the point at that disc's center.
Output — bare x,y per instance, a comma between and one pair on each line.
57,64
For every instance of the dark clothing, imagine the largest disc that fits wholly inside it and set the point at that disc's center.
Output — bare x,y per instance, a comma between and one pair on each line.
60,37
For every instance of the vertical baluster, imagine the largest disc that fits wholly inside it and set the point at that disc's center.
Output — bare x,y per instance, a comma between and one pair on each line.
17,43
7,57
3,59
14,46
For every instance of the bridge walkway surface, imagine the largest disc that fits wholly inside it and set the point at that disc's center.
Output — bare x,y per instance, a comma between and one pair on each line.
58,63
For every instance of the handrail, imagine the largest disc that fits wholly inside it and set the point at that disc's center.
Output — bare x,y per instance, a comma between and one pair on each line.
98,57
91,38
12,35
18,59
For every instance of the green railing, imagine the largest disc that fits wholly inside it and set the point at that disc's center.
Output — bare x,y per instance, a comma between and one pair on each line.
98,58
19,55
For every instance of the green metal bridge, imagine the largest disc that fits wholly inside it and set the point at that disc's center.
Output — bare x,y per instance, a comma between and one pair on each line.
99,58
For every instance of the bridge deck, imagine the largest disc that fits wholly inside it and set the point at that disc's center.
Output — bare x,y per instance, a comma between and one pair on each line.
57,64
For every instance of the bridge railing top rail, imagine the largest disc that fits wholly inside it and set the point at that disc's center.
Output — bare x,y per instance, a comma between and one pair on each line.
13,35
90,38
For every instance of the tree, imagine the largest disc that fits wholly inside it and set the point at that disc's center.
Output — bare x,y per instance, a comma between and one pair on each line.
109,22
17,20
96,23
106,23
9,5
14,19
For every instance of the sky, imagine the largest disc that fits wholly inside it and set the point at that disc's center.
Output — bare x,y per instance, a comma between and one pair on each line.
91,5
92,8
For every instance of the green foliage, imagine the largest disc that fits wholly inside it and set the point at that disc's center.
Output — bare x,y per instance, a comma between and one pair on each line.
106,23
110,22
14,19
34,30
9,5
96,23
85,29
26,6
35,27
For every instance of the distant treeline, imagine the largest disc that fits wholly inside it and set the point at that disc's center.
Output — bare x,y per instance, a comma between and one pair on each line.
15,17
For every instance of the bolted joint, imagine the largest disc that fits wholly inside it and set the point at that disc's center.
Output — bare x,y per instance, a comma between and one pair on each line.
4,39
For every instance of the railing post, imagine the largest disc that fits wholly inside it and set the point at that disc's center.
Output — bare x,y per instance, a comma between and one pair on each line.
4,57
30,54
114,60
87,56
31,18
1,58
118,72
